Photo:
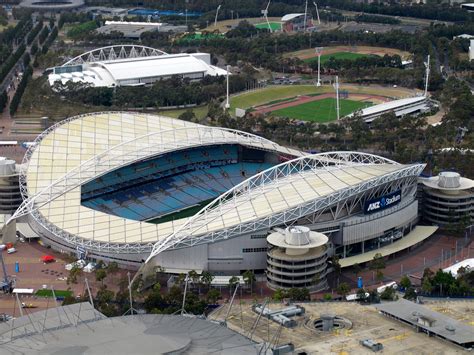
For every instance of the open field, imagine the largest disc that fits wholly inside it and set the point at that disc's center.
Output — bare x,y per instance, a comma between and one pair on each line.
338,56
367,323
275,26
226,25
199,111
321,110
363,50
282,92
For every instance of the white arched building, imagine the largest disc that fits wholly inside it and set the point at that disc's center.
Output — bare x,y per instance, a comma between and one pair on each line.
137,188
131,65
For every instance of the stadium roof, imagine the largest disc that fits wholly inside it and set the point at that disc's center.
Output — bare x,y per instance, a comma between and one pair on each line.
84,147
80,329
395,105
118,67
290,17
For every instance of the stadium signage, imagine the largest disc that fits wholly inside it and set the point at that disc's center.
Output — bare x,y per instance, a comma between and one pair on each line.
383,202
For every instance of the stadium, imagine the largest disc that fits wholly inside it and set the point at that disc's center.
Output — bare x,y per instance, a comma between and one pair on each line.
129,65
135,188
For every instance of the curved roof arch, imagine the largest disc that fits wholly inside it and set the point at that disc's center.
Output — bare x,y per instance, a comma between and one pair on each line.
352,173
84,147
115,52
136,149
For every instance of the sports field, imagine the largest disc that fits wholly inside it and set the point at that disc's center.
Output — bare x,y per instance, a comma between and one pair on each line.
338,56
321,110
275,26
271,93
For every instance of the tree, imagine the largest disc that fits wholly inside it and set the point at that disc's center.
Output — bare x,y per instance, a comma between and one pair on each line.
426,286
388,294
410,294
249,278
213,295
206,278
405,282
113,267
361,295
100,275
343,289
234,280
377,263
74,273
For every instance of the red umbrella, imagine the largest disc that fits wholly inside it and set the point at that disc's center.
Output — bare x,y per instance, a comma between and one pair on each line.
47,259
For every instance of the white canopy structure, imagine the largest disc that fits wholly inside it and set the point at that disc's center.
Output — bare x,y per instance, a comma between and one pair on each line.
130,65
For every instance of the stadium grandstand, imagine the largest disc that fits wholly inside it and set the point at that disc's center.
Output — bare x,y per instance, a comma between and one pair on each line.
135,29
401,107
130,65
131,188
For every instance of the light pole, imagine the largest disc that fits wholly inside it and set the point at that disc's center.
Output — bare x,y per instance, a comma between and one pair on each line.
427,64
227,102
319,51
217,14
317,12
337,97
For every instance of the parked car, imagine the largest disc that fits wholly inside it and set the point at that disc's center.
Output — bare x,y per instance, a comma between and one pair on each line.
11,250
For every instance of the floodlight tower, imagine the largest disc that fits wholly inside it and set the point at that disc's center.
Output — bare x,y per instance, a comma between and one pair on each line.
217,14
305,14
336,86
227,102
317,12
427,65
265,14
319,51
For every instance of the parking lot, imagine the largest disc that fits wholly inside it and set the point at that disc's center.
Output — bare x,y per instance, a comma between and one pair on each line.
35,274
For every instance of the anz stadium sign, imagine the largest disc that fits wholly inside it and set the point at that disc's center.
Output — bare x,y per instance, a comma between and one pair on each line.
383,202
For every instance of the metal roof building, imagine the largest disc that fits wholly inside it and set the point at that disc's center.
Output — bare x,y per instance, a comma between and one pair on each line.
354,198
132,66
80,329
400,107
430,322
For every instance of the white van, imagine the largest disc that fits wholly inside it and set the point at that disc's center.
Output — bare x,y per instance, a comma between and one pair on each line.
11,250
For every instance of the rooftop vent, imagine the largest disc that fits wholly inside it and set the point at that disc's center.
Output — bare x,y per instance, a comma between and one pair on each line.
297,235
449,179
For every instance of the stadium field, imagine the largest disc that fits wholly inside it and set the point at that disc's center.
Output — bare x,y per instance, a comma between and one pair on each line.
272,93
321,110
275,26
338,55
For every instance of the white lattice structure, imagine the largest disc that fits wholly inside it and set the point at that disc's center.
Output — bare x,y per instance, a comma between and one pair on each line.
81,148
131,65
287,192
114,53
334,185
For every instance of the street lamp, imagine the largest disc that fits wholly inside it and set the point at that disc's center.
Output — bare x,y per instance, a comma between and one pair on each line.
319,51
217,14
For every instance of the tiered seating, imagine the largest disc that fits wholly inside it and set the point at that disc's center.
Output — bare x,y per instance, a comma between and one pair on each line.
164,196
167,165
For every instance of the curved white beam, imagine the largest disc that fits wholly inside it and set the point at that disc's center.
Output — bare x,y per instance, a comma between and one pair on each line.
192,232
114,53
136,149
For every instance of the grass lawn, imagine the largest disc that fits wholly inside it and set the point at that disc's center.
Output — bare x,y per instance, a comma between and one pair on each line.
271,94
199,111
338,55
187,212
49,293
275,26
320,111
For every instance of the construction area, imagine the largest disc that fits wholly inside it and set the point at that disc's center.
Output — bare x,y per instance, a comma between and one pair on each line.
352,324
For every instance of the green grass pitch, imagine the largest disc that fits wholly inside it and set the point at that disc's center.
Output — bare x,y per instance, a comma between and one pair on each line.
275,26
320,111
